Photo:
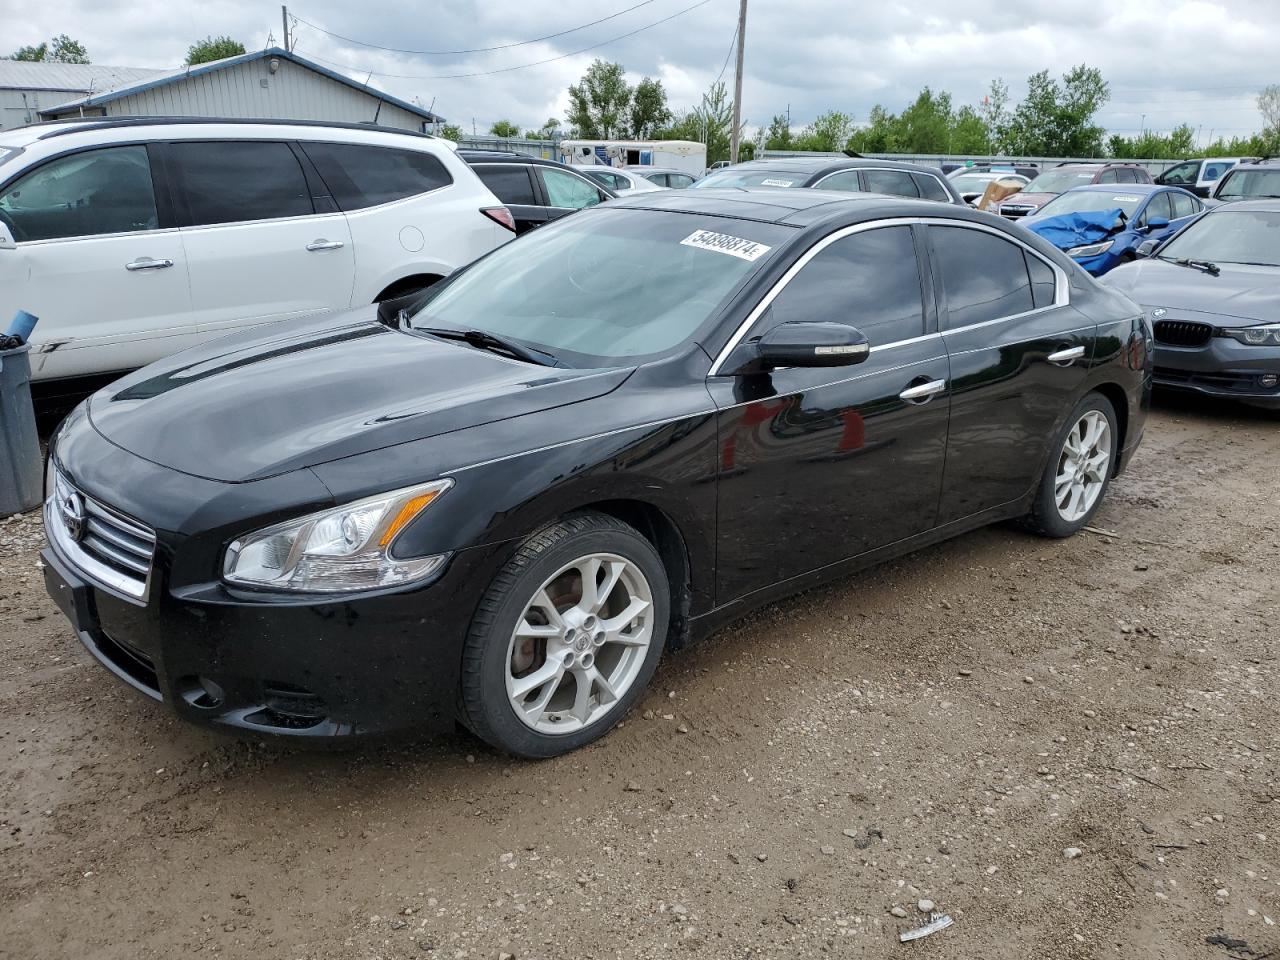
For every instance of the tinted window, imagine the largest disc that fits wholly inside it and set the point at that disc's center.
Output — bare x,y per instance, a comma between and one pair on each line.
1043,281
844,180
1182,173
1158,207
896,183
1212,171
363,176
1184,205
510,183
566,190
930,188
867,279
679,180
1109,176
227,182
984,276
83,195
658,179
611,180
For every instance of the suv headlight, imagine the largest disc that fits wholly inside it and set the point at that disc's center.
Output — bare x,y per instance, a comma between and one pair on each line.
1263,335
1091,249
336,551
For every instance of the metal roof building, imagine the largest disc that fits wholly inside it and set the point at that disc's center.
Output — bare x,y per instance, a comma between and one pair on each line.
26,88
265,84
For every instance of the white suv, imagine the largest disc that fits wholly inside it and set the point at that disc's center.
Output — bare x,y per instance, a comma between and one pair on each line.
134,238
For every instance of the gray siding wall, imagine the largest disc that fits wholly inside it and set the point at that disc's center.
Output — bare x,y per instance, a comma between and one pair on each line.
292,93
16,113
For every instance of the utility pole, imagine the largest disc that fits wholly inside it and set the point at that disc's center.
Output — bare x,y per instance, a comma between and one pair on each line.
284,19
736,133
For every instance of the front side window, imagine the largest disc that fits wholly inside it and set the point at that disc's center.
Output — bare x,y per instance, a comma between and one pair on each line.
869,280
85,194
1158,208
237,180
679,180
984,276
566,190
510,183
1182,173
896,183
1229,236
364,176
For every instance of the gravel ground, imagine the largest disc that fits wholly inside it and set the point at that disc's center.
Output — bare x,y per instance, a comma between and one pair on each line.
1069,747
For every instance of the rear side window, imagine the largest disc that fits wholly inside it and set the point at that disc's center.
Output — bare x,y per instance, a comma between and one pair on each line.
510,183
234,181
364,176
1184,205
846,180
679,180
1212,171
896,183
1043,281
984,276
85,194
930,188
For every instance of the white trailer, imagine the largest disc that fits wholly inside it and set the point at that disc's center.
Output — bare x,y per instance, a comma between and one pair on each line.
687,156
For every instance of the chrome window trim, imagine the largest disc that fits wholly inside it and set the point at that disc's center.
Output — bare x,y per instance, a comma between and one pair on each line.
1061,293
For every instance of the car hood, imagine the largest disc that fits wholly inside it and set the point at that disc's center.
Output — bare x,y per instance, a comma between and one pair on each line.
302,393
1240,292
1021,199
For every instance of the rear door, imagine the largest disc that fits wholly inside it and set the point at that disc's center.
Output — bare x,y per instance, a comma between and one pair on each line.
513,184
1019,355
98,260
259,247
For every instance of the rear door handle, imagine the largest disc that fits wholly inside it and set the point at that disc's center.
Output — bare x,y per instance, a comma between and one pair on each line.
146,263
323,244
1066,356
923,392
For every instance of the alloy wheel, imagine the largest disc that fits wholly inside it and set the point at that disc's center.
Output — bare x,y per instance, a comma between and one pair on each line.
1082,466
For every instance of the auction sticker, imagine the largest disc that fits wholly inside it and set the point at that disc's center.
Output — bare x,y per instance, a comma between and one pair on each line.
1126,199
723,243
774,182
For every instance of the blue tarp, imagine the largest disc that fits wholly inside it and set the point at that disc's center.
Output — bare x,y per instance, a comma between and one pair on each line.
1078,229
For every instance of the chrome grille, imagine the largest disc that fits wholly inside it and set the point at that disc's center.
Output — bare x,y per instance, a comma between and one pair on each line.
106,546
1007,210
1183,333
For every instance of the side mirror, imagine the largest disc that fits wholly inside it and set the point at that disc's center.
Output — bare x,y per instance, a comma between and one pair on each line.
1147,247
1157,223
6,237
812,344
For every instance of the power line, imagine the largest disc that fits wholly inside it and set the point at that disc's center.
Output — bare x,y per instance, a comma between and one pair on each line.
523,66
733,43
449,53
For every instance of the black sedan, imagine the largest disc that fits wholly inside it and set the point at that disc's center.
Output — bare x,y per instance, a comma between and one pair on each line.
597,443
852,174
1212,292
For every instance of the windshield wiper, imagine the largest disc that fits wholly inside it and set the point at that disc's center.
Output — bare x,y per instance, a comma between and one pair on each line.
1208,266
483,340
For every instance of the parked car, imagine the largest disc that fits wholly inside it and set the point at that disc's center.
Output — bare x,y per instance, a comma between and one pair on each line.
1250,181
132,239
971,185
1081,221
1028,170
595,444
847,174
1065,176
536,191
1212,294
666,176
1200,176
618,179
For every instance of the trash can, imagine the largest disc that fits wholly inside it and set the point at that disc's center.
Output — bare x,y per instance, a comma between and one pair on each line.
20,461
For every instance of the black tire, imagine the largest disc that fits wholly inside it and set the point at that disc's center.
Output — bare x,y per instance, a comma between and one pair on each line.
1045,519
485,707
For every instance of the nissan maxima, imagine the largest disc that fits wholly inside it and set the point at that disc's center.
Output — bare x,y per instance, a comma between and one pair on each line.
598,443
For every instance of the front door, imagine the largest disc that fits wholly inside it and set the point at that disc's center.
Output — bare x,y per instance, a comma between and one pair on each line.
257,249
820,465
94,260
565,191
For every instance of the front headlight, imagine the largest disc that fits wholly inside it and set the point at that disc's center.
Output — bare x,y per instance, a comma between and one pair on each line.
1263,335
339,550
1090,250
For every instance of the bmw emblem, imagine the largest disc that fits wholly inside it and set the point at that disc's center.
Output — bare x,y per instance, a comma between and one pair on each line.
72,510
1159,312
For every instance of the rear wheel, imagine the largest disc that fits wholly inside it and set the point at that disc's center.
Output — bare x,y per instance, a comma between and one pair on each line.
1079,471
566,638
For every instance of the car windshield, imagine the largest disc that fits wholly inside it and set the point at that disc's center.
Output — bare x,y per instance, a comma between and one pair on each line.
752,178
1241,184
1059,181
974,182
1091,201
606,286
1229,236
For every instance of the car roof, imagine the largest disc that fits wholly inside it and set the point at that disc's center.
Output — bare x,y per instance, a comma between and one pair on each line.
797,207
812,165
1123,188
505,156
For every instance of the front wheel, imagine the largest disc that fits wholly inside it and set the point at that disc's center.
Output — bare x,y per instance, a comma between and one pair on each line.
1079,471
566,638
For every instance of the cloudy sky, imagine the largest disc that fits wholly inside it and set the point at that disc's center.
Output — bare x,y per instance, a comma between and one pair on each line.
1198,61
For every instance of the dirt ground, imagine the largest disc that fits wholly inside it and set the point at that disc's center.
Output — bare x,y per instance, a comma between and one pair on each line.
954,726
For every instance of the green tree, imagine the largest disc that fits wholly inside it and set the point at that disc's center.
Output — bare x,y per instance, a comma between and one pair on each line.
649,109
213,48
827,133
710,122
925,126
451,131
779,136
1151,145
547,131
30,54
505,128
600,103
969,133
1056,119
994,112
62,49
878,136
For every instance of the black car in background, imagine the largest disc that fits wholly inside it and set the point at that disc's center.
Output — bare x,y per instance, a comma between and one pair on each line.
846,174
1212,292
600,441
536,191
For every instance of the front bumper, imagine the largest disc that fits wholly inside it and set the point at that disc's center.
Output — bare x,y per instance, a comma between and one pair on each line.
1221,368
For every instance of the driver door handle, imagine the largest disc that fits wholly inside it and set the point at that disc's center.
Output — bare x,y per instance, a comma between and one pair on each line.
146,263
1066,356
923,392
323,244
